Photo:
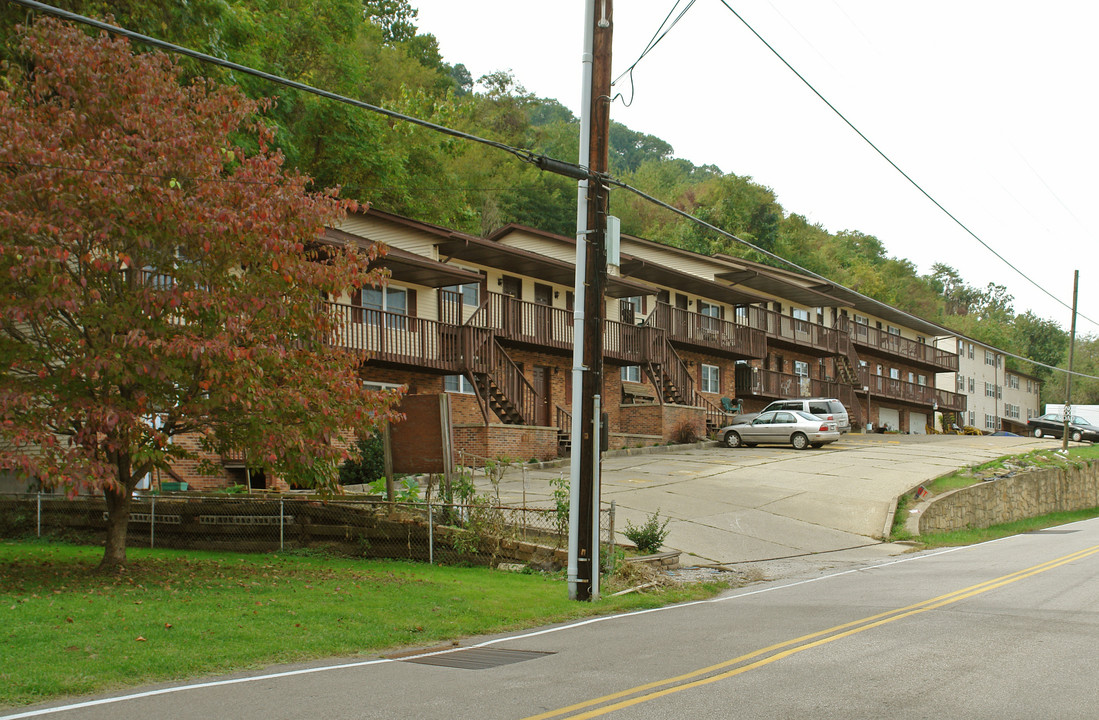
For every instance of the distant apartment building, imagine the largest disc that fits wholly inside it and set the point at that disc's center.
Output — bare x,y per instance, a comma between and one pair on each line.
997,398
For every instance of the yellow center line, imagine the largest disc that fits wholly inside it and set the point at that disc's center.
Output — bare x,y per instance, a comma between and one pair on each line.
797,645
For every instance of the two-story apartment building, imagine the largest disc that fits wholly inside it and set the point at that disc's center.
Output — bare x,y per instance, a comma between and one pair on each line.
997,398
688,338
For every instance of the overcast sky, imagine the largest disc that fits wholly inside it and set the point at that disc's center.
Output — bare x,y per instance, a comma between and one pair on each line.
989,106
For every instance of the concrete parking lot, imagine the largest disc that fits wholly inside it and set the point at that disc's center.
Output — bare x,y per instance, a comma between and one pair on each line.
772,505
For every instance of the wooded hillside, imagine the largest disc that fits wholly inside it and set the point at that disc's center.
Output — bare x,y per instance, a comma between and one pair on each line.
372,50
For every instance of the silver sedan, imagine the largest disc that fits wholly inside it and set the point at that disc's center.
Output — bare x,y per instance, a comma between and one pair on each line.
800,429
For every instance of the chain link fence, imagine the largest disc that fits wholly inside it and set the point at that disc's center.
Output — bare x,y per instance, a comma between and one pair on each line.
479,532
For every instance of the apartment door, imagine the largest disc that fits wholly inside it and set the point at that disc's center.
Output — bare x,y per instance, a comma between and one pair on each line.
540,379
682,322
543,314
512,288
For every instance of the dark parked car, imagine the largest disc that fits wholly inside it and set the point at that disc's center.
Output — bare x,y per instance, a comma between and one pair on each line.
1053,425
799,429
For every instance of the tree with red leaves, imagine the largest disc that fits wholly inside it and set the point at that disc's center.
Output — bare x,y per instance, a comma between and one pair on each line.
157,279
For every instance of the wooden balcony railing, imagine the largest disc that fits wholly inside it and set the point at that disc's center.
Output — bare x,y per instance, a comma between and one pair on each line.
632,344
760,382
526,322
788,330
563,418
895,389
691,328
390,337
914,352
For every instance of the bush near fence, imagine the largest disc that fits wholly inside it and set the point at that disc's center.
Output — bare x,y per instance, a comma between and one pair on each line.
476,533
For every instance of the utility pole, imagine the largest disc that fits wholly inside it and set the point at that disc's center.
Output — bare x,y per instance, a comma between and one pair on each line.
591,274
1068,377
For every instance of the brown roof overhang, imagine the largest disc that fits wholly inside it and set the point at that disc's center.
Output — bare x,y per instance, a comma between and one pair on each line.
524,262
409,267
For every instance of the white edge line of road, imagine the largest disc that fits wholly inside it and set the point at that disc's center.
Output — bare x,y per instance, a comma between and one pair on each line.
344,666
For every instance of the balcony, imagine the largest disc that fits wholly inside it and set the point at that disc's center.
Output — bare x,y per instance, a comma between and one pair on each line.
763,383
399,339
917,354
527,323
702,332
903,391
783,330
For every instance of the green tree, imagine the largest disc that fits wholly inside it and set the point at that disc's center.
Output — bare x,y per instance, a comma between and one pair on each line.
158,280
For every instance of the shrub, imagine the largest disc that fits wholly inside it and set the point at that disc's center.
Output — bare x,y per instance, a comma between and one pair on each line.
650,536
368,467
687,432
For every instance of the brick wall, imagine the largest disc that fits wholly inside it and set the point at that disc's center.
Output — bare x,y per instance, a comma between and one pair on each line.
517,442
660,421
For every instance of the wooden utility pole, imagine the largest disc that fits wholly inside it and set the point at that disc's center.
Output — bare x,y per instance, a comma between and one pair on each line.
584,529
1068,377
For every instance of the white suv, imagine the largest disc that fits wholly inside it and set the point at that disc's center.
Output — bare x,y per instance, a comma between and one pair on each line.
825,408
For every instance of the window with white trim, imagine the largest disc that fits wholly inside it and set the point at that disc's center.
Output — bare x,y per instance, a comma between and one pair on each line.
631,373
961,382
990,358
921,380
799,314
892,330
801,369
458,384
894,374
1013,382
711,379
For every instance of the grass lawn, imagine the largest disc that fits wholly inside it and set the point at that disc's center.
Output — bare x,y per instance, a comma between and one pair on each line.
68,630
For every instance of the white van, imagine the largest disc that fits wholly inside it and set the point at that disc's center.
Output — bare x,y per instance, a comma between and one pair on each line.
824,408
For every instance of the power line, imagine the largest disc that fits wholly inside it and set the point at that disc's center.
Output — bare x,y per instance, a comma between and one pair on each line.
653,42
548,164
545,163
896,167
806,271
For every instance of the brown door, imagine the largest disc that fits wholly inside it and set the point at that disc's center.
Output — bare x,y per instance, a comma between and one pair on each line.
543,315
540,379
512,288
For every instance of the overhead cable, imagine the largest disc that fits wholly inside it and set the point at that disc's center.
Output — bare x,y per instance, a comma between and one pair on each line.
896,167
549,164
805,271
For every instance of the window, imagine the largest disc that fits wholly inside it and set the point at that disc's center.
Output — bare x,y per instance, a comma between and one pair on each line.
1013,382
862,319
799,314
972,388
470,293
894,374
992,422
631,373
742,314
1011,411
711,379
972,418
375,301
893,330
801,369
999,392
711,314
911,376
961,348
457,384
921,380
990,390
961,383
970,357
990,358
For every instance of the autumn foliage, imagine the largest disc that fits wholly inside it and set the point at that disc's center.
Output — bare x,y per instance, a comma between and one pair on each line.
158,278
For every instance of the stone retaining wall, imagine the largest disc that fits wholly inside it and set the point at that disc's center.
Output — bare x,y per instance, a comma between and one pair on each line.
1013,498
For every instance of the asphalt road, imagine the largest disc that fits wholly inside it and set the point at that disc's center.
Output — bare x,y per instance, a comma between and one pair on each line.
1001,630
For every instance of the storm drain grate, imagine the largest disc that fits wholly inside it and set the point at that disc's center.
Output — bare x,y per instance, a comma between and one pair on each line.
478,658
